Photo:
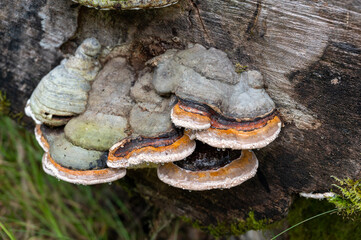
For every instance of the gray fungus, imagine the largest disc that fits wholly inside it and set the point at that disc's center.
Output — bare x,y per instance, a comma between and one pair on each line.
63,92
111,118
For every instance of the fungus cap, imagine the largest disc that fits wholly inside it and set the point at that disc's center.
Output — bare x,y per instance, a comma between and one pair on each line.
63,92
29,113
230,175
92,171
190,117
168,147
223,132
84,177
239,139
105,120
227,110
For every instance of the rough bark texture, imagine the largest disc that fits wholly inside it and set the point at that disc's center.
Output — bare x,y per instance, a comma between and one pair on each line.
308,51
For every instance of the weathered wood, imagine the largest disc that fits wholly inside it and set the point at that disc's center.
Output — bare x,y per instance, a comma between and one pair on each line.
308,51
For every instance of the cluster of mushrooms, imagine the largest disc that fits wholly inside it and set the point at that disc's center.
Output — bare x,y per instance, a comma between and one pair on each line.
94,121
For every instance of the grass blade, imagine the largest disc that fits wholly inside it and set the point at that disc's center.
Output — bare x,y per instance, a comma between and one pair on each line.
7,232
306,220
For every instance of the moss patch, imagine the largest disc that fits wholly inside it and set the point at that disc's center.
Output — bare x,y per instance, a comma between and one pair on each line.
349,201
5,105
234,228
240,68
330,226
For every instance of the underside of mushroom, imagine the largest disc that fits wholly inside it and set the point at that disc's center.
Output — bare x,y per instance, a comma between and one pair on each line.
208,168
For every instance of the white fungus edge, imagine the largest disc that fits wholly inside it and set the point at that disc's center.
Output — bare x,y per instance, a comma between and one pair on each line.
157,157
188,123
194,186
88,180
218,142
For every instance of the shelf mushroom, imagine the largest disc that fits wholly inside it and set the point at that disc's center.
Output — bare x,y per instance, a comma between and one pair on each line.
63,92
126,4
126,109
154,138
78,154
208,168
60,95
79,151
129,119
71,163
225,132
167,147
227,110
106,118
220,108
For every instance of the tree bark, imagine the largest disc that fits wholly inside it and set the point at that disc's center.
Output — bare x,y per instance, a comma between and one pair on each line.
308,51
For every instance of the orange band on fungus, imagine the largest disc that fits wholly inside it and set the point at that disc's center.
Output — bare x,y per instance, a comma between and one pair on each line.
184,114
182,105
86,177
253,125
231,175
156,150
194,115
92,172
265,127
129,145
232,138
41,139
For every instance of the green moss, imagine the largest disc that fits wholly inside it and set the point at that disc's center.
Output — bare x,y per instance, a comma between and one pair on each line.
330,226
234,228
349,201
321,220
240,68
5,108
4,104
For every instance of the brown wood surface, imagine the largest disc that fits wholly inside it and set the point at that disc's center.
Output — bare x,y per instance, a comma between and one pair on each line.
308,51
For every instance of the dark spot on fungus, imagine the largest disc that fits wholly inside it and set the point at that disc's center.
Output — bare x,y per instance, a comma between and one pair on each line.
230,175
208,158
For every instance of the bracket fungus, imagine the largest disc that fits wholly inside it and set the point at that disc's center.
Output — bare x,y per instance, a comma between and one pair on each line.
60,95
63,92
126,4
154,138
227,110
106,118
71,163
117,118
208,168
168,147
